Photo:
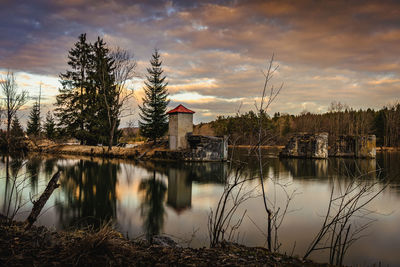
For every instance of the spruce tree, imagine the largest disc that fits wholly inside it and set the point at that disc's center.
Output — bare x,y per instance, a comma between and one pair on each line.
153,123
16,136
89,102
71,100
33,126
50,127
102,93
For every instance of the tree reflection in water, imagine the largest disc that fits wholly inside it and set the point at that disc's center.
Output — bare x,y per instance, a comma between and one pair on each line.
33,165
89,194
152,207
48,168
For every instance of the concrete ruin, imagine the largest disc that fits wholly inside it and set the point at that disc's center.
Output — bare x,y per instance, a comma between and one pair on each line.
305,145
208,147
183,145
361,146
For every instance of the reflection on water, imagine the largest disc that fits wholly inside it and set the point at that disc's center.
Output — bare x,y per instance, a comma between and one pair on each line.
89,195
179,189
174,198
333,167
152,207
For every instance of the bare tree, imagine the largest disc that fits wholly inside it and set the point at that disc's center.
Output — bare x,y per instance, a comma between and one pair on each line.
15,185
13,100
268,96
346,217
124,71
220,225
233,195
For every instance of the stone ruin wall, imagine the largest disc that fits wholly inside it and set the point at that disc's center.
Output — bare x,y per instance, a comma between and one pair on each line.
360,146
200,148
306,145
208,148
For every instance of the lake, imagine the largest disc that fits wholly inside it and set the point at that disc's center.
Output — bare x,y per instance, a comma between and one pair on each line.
175,199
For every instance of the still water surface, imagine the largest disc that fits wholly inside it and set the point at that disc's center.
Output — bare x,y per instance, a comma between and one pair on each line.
175,199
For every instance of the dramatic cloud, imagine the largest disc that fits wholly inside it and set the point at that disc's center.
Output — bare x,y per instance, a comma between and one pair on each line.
214,51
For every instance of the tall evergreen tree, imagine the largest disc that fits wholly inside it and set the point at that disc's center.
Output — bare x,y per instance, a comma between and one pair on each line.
71,100
33,125
153,123
101,94
50,126
89,102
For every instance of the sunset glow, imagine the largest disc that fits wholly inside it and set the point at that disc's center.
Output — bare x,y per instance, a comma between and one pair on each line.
214,51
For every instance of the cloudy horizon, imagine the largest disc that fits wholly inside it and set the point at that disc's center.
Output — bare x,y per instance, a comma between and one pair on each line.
214,52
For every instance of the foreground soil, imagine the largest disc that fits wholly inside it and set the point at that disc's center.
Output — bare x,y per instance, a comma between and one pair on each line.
106,247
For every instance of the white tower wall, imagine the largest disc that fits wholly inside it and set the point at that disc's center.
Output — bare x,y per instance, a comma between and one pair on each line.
179,125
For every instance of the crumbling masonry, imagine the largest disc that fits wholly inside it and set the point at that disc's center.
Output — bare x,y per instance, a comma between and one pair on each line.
306,145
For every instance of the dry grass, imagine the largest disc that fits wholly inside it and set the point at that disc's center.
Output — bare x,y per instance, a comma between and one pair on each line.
106,247
140,148
204,129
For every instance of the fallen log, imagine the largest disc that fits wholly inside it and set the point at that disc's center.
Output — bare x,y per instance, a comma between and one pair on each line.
39,204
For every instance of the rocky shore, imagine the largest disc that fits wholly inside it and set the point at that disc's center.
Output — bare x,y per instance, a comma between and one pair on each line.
40,246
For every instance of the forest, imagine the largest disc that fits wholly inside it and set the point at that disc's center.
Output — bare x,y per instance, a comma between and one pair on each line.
339,120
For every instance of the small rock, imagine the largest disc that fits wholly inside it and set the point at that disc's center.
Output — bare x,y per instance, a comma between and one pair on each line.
164,241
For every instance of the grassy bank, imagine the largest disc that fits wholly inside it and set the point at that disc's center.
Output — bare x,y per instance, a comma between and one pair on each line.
106,247
139,151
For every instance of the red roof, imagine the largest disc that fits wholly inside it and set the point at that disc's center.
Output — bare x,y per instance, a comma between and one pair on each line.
180,109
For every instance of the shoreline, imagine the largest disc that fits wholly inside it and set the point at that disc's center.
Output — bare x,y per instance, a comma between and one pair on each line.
378,148
91,151
40,246
139,152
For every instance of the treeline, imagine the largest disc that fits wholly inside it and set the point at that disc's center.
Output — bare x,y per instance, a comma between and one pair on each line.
339,120
92,99
89,105
93,92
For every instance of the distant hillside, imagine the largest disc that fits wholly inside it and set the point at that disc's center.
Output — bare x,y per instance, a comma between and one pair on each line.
203,129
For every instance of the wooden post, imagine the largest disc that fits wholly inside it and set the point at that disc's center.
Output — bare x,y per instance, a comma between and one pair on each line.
39,204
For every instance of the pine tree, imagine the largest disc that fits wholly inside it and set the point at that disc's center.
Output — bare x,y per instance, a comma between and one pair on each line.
71,100
16,136
33,126
153,115
50,127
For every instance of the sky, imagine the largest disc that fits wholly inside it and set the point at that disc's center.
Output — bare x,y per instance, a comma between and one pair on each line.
214,52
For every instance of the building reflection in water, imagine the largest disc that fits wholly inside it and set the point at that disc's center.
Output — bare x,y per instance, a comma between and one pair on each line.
320,168
179,189
303,168
179,192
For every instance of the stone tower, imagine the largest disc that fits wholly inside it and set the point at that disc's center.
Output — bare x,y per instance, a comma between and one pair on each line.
180,123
